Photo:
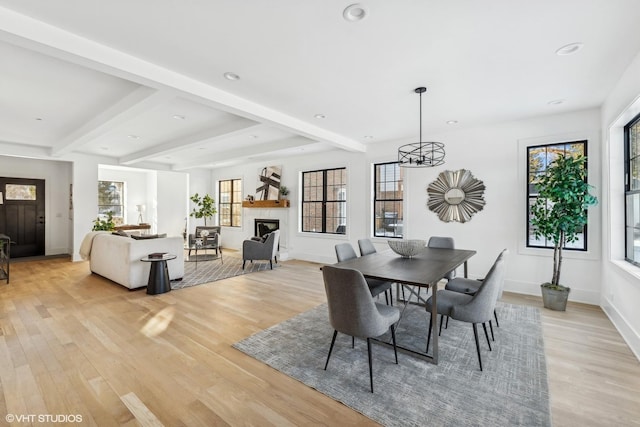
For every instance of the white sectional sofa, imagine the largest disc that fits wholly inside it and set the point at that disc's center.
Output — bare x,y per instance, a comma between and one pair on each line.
118,258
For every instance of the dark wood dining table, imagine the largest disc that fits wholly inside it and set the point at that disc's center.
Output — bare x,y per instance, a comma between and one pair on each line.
423,270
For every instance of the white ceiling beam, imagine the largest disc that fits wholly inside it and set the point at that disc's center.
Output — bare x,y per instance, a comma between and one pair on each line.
132,105
30,33
209,136
241,153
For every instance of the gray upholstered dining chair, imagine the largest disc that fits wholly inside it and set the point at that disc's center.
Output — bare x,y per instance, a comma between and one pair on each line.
352,311
471,286
443,243
258,250
345,252
366,247
474,309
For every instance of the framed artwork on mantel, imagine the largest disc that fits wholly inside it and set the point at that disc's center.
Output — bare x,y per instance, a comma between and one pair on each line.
268,187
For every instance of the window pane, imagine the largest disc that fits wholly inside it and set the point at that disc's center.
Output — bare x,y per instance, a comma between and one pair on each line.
111,199
633,245
634,178
230,206
539,158
20,192
324,196
388,196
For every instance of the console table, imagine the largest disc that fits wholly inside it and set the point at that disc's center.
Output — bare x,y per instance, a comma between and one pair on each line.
128,227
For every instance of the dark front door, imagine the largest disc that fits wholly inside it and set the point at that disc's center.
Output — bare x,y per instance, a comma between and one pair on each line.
22,215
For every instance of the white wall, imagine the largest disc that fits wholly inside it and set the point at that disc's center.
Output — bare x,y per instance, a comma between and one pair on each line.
494,154
172,202
620,280
57,177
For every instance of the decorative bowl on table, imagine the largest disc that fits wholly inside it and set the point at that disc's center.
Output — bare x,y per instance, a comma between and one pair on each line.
407,248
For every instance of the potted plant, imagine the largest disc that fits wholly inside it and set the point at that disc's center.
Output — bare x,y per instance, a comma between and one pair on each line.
284,192
104,224
559,215
205,207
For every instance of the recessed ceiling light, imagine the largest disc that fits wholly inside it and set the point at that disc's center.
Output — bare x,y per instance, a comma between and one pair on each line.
452,122
179,117
104,148
355,12
556,102
320,116
231,76
39,119
569,49
133,136
368,137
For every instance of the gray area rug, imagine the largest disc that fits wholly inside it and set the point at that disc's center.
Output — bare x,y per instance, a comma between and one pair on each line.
512,390
205,271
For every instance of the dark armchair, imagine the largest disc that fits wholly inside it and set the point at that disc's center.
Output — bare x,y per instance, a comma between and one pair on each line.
259,250
210,241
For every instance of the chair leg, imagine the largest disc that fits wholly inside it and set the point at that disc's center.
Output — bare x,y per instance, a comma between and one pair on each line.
370,366
484,326
495,314
475,335
428,336
446,326
353,342
243,263
441,322
271,264
386,297
333,341
275,258
393,338
491,327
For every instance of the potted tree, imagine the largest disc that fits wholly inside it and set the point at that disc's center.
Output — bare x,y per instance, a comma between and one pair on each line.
559,215
205,207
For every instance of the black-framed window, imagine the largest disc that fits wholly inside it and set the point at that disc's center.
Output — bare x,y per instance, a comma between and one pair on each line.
230,202
538,158
388,196
111,199
324,201
632,190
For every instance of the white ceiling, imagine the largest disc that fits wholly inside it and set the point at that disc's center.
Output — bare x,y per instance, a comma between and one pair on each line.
108,77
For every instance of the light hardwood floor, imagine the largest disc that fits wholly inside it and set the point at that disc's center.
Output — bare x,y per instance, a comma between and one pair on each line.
75,343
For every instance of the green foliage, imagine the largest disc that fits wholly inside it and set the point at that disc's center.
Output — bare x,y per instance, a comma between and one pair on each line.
560,212
284,190
104,224
206,207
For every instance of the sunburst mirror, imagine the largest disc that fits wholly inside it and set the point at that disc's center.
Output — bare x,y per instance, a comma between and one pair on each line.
456,195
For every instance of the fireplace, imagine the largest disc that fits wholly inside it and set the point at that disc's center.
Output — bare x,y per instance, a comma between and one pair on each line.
264,226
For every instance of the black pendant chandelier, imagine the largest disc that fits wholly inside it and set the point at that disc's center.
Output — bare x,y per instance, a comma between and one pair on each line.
421,154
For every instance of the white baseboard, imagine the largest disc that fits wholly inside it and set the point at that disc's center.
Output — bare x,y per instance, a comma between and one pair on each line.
527,288
630,336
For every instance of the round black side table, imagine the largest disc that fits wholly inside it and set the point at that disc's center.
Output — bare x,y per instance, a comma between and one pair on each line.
158,274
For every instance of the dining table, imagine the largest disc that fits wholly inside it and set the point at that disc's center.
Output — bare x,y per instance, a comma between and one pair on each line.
423,270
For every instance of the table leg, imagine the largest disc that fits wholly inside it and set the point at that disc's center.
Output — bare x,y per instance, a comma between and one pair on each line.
434,322
158,278
466,269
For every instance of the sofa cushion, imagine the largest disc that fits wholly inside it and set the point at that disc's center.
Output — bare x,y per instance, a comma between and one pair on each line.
149,236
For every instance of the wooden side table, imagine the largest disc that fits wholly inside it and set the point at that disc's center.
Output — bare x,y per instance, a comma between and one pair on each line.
158,274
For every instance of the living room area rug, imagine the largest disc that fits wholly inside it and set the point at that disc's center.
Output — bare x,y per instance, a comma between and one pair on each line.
512,390
211,270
